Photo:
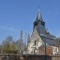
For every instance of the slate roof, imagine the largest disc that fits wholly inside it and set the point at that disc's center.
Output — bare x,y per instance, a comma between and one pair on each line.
50,40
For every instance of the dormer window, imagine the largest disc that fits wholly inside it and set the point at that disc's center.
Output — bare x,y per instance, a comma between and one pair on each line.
43,23
35,23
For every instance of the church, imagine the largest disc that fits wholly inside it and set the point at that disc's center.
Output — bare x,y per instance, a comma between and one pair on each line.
41,41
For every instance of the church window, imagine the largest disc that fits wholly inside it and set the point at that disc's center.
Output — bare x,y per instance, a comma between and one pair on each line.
35,42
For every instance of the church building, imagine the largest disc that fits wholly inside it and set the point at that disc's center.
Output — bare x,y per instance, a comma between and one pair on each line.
42,42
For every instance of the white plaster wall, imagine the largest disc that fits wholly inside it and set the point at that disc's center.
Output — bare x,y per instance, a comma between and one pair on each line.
55,50
34,37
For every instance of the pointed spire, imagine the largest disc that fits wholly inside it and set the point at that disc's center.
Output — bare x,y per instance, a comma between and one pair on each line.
39,17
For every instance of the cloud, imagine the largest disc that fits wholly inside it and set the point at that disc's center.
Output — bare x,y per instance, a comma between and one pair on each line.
9,28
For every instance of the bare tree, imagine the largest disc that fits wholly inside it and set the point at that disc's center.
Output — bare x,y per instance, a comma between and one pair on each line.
20,43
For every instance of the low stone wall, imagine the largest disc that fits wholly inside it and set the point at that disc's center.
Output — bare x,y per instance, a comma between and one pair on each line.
28,57
33,57
57,57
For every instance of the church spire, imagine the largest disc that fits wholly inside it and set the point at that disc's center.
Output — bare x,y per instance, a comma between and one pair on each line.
39,17
39,24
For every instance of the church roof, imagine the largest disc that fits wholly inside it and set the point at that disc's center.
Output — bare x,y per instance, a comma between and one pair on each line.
49,39
51,42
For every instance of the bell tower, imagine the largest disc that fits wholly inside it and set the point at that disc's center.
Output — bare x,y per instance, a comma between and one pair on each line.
39,24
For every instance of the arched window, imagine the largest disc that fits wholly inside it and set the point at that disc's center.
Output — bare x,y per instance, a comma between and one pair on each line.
35,42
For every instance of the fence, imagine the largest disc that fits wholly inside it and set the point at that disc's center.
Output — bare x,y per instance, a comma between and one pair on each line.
28,57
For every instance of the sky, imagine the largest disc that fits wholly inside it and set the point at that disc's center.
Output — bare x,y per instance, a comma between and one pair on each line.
17,15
